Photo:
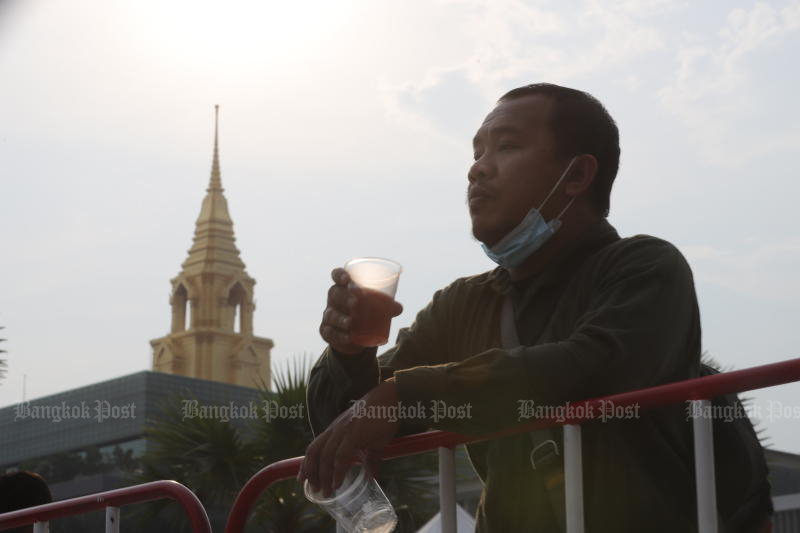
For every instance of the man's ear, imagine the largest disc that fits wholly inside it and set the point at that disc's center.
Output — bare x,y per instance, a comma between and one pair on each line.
581,175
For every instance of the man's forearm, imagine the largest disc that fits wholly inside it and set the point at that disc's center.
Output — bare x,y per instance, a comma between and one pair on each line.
337,379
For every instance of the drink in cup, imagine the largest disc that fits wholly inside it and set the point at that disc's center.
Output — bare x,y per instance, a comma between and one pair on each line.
377,278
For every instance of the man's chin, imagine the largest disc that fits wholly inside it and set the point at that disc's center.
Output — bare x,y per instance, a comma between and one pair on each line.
483,236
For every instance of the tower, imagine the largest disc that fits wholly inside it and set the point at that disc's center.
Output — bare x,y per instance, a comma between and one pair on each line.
212,303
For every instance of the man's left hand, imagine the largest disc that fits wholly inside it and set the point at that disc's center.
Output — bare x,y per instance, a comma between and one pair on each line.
330,455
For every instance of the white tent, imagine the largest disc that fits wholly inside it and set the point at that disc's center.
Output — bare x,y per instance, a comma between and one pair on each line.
464,522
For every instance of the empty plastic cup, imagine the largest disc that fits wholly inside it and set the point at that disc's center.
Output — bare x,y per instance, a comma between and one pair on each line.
377,278
358,505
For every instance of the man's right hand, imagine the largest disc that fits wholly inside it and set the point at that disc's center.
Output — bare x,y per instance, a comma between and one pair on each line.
337,318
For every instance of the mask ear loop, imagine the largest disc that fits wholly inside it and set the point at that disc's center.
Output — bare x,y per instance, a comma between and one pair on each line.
565,209
563,175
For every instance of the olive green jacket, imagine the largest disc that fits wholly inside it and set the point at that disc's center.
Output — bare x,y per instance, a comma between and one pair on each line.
610,315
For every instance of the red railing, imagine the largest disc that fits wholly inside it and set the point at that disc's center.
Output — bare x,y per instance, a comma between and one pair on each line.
146,492
704,388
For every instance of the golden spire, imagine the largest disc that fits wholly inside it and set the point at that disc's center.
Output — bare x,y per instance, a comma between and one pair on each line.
211,336
216,180
214,242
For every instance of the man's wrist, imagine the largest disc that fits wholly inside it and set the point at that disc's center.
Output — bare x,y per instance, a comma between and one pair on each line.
359,350
344,356
354,364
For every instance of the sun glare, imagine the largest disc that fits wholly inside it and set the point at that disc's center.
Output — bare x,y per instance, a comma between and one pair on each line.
238,32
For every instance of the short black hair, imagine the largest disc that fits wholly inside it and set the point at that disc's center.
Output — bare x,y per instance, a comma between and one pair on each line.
19,490
581,125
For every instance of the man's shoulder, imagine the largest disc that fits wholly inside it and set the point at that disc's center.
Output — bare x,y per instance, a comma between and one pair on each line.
642,243
492,282
471,285
483,278
642,250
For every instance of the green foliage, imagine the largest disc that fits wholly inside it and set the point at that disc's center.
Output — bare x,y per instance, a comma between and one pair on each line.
215,458
204,453
282,437
285,508
209,454
66,466
708,360
763,438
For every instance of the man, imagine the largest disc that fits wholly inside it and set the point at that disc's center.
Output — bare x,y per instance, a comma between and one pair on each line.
20,490
595,315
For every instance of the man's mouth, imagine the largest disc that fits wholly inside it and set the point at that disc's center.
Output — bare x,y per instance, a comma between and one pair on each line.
478,197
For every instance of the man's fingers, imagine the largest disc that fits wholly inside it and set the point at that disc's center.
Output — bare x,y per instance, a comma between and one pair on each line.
343,460
310,468
342,298
397,308
335,338
326,459
311,464
340,276
336,319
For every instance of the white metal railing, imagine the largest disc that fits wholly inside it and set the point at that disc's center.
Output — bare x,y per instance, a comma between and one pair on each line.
573,476
111,501
697,390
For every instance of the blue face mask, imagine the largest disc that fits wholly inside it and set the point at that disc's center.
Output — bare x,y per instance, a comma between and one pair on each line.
529,235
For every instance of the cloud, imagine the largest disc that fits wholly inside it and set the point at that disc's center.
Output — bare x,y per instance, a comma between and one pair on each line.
767,271
715,87
447,101
512,43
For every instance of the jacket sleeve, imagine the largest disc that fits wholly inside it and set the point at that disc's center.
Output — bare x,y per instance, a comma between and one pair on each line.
639,328
336,380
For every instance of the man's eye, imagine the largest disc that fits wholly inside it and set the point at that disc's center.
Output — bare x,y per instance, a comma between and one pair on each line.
506,146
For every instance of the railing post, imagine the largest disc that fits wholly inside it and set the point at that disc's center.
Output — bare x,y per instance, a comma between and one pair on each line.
39,515
702,425
573,478
112,519
447,489
667,394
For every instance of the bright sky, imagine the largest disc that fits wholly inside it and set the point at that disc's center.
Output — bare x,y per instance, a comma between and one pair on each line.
345,130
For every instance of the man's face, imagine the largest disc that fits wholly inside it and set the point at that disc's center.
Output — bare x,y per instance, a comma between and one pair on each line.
515,168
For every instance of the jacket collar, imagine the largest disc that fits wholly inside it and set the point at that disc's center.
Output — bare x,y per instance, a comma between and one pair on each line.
597,236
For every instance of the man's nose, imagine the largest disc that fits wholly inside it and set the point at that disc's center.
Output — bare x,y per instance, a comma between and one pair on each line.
480,170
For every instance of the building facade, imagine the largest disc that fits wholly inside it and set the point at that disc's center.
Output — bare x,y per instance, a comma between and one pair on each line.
103,416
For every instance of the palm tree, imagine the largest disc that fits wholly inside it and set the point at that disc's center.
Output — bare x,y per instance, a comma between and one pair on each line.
215,459
206,454
746,401
285,508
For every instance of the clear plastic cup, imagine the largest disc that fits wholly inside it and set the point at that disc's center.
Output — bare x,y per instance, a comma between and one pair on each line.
377,278
358,505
